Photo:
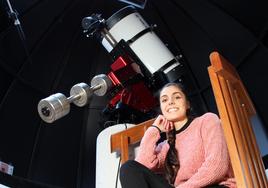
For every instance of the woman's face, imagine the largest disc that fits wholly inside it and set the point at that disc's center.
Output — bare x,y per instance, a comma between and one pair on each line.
173,104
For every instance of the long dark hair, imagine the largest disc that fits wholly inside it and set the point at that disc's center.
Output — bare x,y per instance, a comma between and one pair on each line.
172,163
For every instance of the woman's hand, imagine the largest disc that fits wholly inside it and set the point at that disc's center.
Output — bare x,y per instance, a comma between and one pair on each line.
163,124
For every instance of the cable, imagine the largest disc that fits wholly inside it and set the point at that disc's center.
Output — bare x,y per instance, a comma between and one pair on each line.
125,126
117,174
119,165
14,16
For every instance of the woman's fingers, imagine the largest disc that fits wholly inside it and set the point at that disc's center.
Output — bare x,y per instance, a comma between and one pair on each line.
158,120
163,124
171,126
168,126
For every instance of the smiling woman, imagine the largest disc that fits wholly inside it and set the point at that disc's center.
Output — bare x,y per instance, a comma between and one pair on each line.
194,155
174,104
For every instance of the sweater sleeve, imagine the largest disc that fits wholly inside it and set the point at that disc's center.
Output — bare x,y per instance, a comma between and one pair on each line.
149,154
216,163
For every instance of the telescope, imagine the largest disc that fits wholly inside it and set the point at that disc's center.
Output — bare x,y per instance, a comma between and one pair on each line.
141,65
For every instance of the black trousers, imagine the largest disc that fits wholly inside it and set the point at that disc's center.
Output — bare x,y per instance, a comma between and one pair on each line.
135,175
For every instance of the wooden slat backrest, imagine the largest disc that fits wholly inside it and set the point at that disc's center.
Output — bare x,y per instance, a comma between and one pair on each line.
121,140
235,110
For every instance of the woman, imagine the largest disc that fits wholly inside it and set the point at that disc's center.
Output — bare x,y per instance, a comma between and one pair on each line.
194,155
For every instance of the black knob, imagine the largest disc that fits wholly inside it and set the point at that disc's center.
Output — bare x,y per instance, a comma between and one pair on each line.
45,111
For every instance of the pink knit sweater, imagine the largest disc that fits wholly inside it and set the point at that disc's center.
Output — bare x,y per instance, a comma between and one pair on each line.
202,151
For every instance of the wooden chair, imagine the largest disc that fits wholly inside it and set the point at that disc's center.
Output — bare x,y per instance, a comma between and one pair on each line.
235,110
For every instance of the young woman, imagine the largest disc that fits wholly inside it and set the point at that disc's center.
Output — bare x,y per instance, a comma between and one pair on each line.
194,155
